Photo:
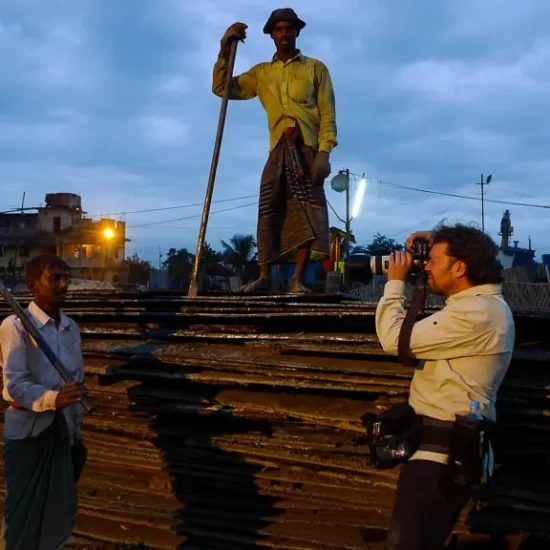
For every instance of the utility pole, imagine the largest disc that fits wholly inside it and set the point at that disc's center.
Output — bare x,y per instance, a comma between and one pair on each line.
482,183
348,229
340,183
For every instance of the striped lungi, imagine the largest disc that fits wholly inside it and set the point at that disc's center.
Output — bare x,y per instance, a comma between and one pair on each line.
292,211
41,496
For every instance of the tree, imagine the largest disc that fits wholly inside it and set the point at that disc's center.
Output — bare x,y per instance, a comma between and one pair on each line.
239,253
179,264
212,262
382,245
138,270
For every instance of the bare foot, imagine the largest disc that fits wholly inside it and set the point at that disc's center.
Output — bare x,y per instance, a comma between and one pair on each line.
298,287
258,285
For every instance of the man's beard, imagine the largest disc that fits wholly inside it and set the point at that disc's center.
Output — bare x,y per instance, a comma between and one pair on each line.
434,289
288,47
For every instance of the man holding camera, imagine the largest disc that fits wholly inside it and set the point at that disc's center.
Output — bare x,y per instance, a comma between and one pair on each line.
462,351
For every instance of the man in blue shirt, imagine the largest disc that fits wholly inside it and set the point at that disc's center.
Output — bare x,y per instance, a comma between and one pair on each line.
43,453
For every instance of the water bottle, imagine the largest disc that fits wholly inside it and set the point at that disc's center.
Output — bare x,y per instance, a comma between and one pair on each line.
475,411
467,444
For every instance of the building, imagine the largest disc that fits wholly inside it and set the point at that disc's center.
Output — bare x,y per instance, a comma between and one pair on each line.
94,249
515,257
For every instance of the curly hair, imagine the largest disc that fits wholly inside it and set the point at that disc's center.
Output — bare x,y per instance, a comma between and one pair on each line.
473,247
37,265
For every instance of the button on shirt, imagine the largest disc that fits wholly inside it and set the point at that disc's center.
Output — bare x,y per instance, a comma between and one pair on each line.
296,91
31,381
464,350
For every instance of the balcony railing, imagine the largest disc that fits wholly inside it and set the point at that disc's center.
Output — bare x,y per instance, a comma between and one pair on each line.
74,263
77,263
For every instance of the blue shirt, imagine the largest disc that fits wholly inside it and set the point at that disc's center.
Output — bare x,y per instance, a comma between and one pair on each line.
31,381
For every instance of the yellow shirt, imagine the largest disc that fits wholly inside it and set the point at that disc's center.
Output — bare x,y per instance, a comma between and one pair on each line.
299,90
464,351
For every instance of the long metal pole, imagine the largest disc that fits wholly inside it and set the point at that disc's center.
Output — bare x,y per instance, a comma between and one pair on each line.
194,284
482,206
42,344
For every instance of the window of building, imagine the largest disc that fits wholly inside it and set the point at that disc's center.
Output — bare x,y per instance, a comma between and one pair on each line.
57,224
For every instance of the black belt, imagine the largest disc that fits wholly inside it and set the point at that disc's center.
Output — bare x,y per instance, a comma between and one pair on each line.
435,435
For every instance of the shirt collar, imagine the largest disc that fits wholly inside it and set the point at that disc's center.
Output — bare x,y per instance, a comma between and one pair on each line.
478,290
298,57
41,318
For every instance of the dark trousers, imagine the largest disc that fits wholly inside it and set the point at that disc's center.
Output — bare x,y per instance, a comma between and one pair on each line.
427,505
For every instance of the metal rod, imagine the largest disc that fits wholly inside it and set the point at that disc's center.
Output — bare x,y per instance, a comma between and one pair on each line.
348,228
42,344
194,283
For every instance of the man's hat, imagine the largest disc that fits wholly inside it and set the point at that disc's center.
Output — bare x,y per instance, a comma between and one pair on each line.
284,14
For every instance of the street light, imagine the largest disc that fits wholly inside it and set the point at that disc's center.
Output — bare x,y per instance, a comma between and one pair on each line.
358,199
109,234
340,183
482,183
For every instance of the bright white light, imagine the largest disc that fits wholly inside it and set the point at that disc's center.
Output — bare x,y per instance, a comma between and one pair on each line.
358,199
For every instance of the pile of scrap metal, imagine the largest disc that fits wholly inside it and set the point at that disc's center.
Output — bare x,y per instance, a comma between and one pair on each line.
225,422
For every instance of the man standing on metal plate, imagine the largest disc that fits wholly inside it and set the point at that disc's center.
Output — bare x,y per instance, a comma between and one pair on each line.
297,95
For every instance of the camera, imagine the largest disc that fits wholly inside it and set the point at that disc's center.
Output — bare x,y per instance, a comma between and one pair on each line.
365,266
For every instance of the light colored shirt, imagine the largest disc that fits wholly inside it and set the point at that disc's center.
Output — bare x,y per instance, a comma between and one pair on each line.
298,91
464,350
31,381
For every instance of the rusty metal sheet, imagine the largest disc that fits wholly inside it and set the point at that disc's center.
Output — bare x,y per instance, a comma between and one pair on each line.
240,424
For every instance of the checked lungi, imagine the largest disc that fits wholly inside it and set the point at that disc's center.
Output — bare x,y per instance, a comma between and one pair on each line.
292,210
41,496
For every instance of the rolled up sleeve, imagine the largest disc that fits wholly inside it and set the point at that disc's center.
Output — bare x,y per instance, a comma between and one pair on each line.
17,381
242,87
447,334
327,110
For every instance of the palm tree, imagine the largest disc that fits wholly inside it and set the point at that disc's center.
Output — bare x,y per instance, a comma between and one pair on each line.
239,252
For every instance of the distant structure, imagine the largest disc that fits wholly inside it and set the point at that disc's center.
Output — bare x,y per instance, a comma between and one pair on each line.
506,230
514,256
546,265
94,249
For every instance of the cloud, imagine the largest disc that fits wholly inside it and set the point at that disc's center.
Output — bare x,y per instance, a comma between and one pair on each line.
176,86
115,103
456,81
164,130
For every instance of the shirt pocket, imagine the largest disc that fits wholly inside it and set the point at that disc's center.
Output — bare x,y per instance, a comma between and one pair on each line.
72,357
301,86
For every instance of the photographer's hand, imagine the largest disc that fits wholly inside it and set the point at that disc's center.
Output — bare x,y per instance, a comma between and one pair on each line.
399,265
425,235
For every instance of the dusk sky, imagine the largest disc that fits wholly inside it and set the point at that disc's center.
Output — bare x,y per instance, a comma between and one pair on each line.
111,99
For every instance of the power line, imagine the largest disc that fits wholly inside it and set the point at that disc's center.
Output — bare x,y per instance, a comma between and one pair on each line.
496,201
169,207
19,210
426,220
191,217
380,182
